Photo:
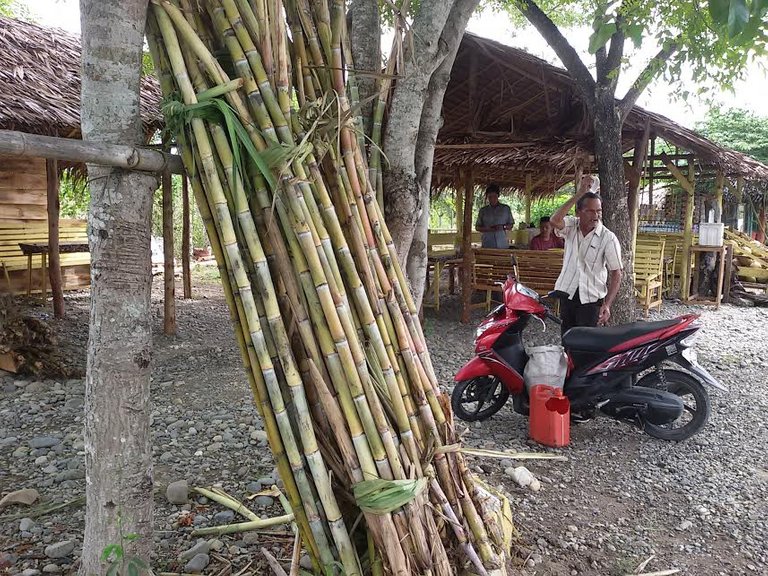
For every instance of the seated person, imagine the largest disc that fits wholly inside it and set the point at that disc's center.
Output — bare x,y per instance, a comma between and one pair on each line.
546,238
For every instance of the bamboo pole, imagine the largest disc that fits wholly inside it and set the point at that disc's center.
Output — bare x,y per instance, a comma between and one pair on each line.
528,197
719,185
685,273
54,259
129,157
169,280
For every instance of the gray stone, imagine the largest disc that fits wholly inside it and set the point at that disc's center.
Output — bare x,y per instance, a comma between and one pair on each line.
25,496
44,442
9,388
60,549
266,481
216,545
26,524
259,436
51,569
253,487
197,564
684,525
263,501
305,562
70,475
30,572
177,492
202,547
199,520
250,538
10,441
36,387
223,517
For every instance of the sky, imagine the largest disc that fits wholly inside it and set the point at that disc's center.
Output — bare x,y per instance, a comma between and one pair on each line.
749,94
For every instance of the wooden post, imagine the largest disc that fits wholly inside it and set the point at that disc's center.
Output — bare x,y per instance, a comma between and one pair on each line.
719,185
459,203
685,273
650,171
728,273
739,200
760,236
54,259
528,195
466,246
687,183
635,177
185,238
169,296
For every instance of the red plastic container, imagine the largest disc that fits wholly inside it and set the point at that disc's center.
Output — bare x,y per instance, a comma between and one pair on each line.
549,420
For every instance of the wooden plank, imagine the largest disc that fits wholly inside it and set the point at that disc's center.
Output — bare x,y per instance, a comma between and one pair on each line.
22,196
23,211
466,245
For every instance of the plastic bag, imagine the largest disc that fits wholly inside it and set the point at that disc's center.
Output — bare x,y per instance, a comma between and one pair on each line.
546,365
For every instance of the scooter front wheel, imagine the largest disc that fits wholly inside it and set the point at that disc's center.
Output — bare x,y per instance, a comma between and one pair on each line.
478,398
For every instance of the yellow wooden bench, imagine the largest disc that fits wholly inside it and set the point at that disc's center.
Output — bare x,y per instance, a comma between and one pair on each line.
490,269
12,258
539,269
649,272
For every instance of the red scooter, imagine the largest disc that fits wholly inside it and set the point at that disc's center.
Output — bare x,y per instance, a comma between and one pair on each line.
645,373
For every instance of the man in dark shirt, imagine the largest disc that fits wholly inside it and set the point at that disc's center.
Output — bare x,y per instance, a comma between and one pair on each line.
494,220
546,239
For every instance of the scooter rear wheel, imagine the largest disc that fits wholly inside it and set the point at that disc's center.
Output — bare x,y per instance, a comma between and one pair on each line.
695,399
478,398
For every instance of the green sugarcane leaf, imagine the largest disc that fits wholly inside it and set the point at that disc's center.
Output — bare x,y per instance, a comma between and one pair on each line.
133,570
108,551
113,568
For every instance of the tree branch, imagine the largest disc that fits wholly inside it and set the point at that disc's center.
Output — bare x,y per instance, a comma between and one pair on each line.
645,77
615,53
568,56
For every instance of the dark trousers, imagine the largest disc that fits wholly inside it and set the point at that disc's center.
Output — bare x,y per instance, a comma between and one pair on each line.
574,313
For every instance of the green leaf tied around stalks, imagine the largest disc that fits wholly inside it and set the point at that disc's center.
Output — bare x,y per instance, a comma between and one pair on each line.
211,107
383,496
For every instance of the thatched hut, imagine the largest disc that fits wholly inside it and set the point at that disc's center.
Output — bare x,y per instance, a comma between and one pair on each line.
40,94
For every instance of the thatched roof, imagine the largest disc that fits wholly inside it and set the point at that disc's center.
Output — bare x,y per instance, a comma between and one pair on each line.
40,82
509,114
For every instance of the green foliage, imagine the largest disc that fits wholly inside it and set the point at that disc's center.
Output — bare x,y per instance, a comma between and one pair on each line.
743,20
199,237
120,563
739,130
15,9
74,196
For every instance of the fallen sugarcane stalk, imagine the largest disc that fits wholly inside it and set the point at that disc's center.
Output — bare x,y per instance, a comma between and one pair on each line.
500,454
227,500
660,573
244,526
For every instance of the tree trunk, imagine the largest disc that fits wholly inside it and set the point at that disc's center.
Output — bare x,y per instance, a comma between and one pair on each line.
613,189
117,434
412,127
365,38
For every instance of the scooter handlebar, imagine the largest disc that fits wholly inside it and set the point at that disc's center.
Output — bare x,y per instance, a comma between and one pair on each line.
552,317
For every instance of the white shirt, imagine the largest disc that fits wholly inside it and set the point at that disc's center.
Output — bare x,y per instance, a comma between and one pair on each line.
587,260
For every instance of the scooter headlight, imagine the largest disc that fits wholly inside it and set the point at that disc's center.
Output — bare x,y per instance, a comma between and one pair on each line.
527,291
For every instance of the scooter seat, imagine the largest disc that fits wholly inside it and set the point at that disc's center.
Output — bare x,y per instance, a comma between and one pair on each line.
605,339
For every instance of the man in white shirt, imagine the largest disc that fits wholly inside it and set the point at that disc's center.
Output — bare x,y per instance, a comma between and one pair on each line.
592,262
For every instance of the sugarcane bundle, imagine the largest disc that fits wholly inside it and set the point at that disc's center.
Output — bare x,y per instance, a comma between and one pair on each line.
750,257
257,100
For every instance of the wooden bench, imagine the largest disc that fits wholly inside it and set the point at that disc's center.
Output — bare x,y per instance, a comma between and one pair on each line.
13,259
539,269
649,272
490,269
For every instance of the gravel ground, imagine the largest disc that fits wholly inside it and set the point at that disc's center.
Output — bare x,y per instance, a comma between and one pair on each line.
620,498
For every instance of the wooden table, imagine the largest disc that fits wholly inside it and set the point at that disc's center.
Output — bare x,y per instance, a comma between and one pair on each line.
29,249
438,262
698,252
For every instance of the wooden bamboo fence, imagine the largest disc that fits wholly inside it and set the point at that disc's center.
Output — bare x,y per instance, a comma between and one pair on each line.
257,97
